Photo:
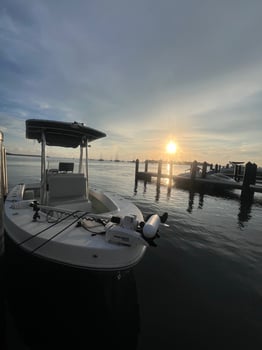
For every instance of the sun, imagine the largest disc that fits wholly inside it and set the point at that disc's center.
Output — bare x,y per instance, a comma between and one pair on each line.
171,147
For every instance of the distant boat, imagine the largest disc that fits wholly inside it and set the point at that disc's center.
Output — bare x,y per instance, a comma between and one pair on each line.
210,178
116,159
101,159
230,169
22,155
233,162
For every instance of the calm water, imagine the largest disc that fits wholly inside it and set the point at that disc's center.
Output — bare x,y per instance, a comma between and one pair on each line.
201,287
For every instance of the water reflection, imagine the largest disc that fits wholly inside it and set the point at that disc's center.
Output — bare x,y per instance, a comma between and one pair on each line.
190,201
72,310
167,188
246,200
245,207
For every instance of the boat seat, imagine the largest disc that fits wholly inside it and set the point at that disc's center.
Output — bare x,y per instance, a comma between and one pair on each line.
64,187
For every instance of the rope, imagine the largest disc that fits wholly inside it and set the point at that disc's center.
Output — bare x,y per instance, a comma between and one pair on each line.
58,233
47,228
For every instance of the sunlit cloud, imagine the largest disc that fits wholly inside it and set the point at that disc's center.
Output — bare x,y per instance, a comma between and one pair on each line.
139,71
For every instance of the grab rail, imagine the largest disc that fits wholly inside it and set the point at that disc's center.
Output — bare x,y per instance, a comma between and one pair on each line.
3,168
3,189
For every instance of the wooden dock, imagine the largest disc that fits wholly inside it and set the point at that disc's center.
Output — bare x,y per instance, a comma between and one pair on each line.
246,182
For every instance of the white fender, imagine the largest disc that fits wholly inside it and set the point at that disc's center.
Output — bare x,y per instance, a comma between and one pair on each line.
151,226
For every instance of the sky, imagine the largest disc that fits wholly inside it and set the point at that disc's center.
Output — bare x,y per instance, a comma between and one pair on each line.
143,71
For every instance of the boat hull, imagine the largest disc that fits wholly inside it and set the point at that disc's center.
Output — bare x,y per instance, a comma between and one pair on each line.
65,307
68,243
21,265
212,182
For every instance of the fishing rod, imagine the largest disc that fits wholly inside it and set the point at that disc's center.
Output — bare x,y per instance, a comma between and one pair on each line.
47,228
58,233
115,219
148,228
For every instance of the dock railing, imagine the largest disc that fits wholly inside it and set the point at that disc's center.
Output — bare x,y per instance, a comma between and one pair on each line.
3,188
3,167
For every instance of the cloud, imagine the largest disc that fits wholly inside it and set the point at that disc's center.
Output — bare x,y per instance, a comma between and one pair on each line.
236,119
131,68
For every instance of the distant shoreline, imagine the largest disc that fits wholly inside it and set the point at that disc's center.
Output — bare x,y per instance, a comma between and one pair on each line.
22,155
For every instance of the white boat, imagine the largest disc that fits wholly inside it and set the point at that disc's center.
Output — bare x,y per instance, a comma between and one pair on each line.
64,221
230,169
233,168
209,178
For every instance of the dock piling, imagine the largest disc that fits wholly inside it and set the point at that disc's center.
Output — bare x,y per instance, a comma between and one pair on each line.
237,172
204,169
249,176
146,166
248,183
193,169
159,172
136,170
